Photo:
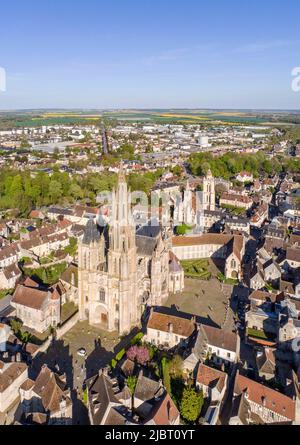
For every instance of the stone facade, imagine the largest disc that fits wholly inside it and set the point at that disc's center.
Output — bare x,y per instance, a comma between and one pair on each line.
121,271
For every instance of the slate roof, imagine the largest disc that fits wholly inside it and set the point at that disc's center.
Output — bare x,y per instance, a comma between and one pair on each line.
147,389
145,245
91,232
101,396
52,389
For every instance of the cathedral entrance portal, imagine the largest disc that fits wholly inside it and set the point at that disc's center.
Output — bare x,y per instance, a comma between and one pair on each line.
101,317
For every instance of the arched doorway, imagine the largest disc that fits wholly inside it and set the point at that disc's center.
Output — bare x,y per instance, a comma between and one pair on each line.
101,316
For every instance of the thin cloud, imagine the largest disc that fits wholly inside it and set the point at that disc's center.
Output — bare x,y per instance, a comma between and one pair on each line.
264,46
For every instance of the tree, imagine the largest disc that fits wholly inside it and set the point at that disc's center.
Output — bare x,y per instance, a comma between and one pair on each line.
138,353
16,325
176,366
55,190
191,405
131,383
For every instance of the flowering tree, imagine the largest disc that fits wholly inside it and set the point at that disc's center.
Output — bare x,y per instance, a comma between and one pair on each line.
138,353
142,355
132,352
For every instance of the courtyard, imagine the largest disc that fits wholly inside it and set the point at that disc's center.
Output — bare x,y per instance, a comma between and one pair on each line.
207,299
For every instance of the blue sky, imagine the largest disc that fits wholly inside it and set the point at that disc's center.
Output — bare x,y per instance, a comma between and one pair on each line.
142,54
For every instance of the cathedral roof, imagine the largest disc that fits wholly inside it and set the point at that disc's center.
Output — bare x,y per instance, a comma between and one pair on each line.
145,245
149,230
91,232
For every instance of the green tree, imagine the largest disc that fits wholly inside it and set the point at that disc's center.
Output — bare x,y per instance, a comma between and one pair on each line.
191,405
16,326
131,382
55,190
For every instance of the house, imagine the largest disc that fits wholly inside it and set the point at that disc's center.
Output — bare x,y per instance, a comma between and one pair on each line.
254,403
167,330
237,224
164,413
48,395
266,363
12,375
262,316
212,382
211,343
244,177
5,333
292,257
38,309
261,214
105,403
9,276
234,200
36,214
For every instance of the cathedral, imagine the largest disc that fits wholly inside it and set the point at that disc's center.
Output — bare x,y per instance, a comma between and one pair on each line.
122,270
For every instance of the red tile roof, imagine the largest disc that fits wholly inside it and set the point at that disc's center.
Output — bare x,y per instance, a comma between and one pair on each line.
264,396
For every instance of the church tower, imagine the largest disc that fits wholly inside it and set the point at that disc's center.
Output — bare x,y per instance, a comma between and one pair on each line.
209,194
122,261
107,268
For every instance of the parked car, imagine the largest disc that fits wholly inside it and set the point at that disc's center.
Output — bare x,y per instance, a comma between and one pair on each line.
81,352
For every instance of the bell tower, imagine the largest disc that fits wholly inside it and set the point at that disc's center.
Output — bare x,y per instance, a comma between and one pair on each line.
209,193
122,261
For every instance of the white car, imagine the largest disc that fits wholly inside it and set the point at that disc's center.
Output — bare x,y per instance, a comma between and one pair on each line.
81,352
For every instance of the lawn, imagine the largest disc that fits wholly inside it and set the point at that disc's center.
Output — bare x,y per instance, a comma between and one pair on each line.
67,310
196,269
256,333
236,211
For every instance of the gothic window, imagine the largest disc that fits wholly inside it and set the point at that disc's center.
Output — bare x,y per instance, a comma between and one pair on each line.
102,295
117,308
233,264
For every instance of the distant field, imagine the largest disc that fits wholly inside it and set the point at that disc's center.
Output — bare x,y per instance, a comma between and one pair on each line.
188,117
40,121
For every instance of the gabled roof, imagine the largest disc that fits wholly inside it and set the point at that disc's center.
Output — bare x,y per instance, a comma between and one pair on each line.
164,412
30,297
9,372
211,377
101,396
164,322
52,390
147,389
219,337
265,396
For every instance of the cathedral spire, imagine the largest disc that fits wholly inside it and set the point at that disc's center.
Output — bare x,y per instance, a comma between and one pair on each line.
121,174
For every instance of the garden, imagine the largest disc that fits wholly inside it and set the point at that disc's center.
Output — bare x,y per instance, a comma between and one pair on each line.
197,269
